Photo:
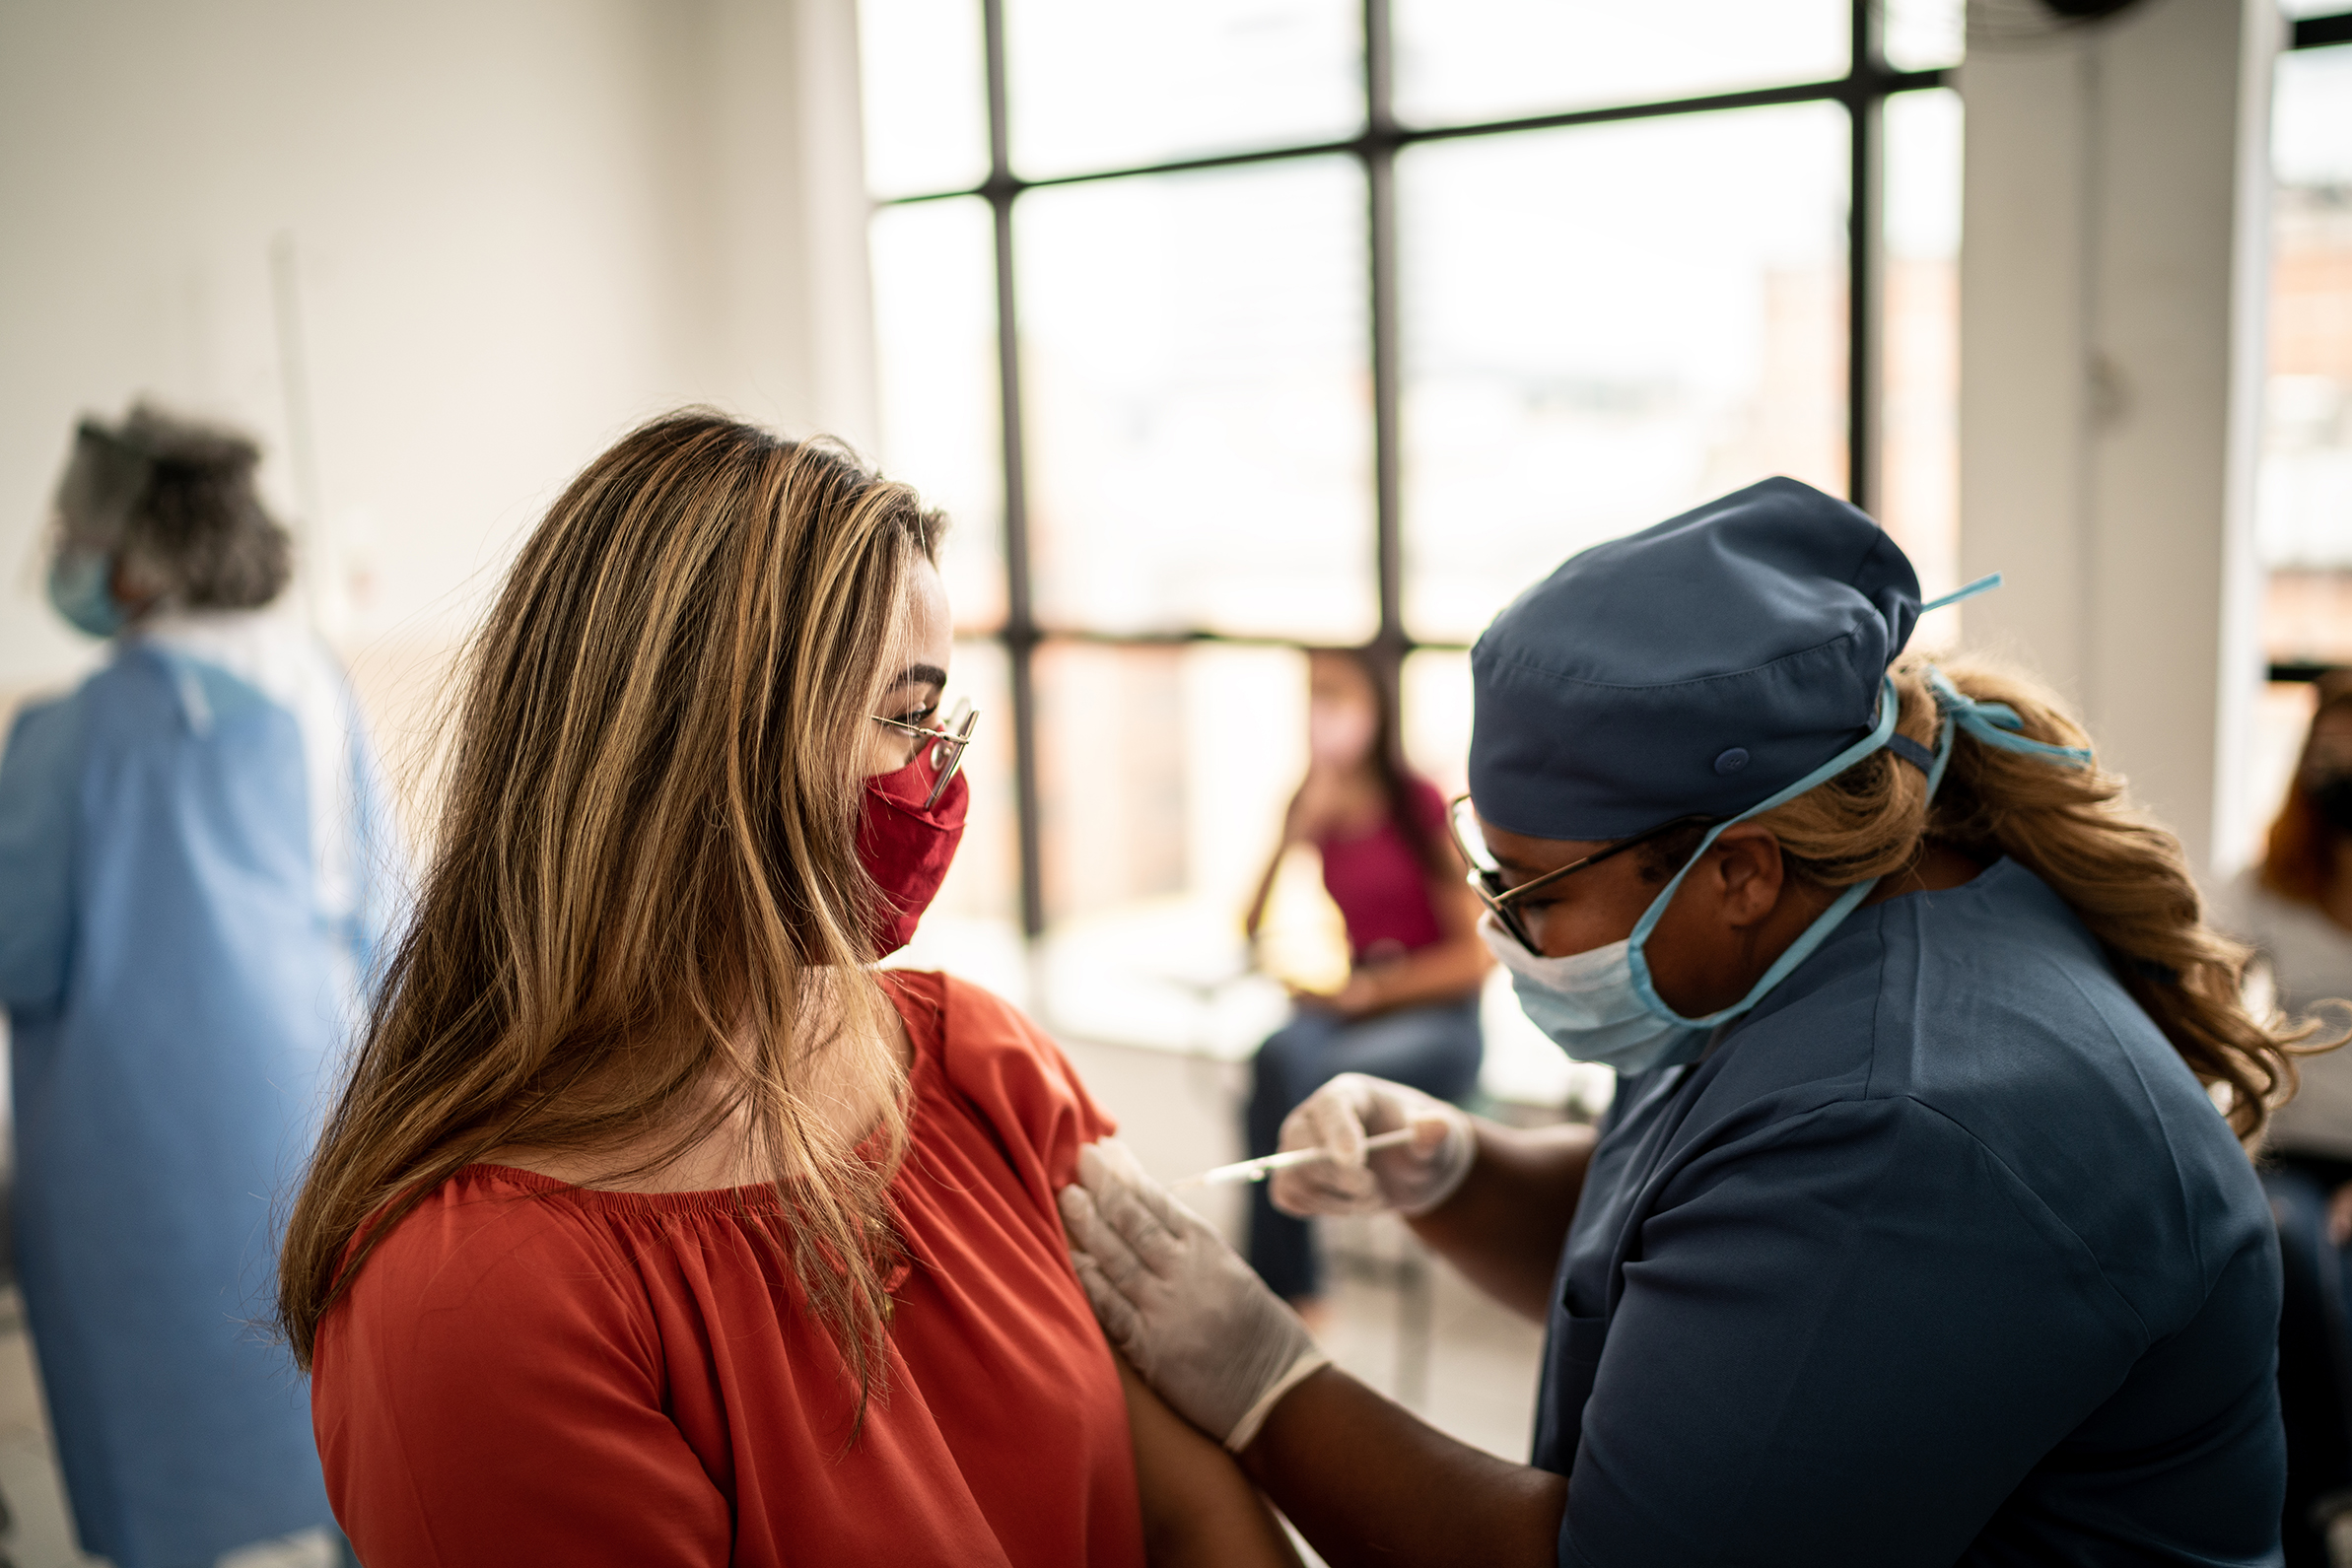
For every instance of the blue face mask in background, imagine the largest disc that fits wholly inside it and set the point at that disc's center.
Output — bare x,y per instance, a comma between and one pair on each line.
80,591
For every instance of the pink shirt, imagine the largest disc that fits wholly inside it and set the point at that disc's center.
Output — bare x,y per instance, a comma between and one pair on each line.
1382,888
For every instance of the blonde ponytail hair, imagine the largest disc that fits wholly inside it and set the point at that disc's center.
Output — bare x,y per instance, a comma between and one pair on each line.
2122,871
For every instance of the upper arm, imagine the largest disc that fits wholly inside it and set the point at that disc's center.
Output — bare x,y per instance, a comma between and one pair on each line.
506,1414
38,783
1198,1506
1812,1331
1020,1082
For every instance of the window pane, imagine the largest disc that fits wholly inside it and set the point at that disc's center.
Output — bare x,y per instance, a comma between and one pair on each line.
2305,508
1162,776
935,309
1435,718
1919,430
926,95
1095,86
1195,386
1605,326
1469,60
1923,34
973,928
2304,502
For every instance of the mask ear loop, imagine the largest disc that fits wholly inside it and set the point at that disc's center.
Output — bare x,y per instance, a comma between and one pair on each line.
1801,948
1993,723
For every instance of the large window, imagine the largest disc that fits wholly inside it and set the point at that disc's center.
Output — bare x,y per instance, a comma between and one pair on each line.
1236,327
2303,505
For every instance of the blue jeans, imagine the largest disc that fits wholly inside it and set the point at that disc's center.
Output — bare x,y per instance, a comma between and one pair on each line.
1436,1049
2314,1346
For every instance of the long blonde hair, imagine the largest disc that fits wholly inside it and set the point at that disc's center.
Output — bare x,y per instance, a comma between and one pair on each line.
646,882
2122,871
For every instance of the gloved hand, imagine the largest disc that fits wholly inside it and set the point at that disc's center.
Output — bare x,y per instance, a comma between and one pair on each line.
1413,1178
1192,1317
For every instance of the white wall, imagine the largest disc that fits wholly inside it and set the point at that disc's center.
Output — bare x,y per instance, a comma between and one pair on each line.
2112,291
508,230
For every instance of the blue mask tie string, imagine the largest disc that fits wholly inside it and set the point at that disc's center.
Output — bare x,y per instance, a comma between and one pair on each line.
1812,935
1984,585
1992,725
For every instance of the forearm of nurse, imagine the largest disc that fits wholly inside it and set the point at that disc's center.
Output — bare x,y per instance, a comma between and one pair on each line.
1395,1489
1198,1509
1504,1226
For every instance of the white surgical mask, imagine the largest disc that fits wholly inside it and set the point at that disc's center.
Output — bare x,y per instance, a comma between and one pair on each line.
1588,1004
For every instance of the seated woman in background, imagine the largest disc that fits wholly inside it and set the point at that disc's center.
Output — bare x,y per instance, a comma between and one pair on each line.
2295,909
655,1225
1409,1012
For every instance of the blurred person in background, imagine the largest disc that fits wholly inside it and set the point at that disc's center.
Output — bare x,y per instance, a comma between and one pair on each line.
655,1225
1408,1010
2295,909
196,872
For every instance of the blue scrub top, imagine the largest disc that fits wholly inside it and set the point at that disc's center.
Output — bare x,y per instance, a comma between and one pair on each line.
179,1001
1941,1254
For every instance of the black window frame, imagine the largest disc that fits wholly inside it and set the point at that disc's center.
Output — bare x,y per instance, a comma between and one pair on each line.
1864,91
2312,33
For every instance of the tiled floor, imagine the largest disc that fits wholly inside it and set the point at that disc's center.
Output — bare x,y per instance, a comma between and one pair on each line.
1476,1380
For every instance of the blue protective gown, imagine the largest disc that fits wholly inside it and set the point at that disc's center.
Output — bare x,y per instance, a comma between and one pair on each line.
1939,1256
179,994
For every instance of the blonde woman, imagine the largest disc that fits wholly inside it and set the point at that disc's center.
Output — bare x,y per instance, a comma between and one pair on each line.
1914,1235
655,1226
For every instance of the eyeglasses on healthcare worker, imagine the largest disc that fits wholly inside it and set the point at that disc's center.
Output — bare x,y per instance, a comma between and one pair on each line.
1912,1235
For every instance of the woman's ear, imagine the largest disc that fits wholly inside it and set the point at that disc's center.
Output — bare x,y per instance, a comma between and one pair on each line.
1745,868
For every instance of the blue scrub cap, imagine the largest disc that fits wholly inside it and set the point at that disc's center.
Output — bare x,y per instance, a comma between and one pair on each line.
1697,667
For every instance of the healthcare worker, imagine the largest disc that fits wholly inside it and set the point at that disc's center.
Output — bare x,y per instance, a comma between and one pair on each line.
1913,1236
195,873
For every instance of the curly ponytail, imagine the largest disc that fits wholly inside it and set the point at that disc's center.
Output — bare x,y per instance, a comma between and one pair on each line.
2122,871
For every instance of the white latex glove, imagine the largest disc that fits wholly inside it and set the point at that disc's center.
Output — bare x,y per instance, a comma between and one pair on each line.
1194,1319
1413,1178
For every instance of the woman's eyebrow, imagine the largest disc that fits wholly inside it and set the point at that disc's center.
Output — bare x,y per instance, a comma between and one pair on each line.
921,675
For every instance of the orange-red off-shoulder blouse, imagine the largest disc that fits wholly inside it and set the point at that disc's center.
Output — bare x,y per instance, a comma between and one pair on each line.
528,1372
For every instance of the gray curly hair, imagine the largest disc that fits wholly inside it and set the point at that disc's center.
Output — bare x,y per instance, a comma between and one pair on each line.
172,502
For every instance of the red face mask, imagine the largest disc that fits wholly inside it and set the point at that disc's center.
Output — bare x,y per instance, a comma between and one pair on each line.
905,849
